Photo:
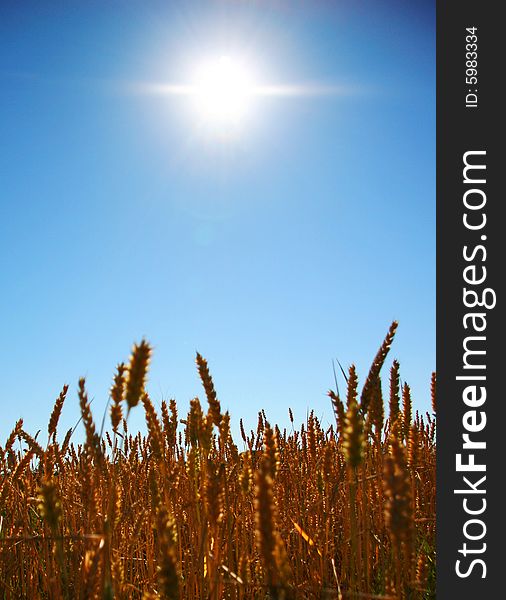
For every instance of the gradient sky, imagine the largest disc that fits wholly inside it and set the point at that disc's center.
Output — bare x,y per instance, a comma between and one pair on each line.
272,252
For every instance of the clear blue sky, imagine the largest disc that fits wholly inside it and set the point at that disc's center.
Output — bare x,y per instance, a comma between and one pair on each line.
273,252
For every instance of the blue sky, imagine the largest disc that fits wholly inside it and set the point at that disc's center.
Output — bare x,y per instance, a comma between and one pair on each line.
291,243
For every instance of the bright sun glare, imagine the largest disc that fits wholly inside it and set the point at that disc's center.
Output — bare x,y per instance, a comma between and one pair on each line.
223,90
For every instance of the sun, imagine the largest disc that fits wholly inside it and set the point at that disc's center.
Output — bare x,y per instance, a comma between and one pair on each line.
223,89
222,96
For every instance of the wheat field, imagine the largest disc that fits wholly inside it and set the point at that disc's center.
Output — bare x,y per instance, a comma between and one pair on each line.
186,512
